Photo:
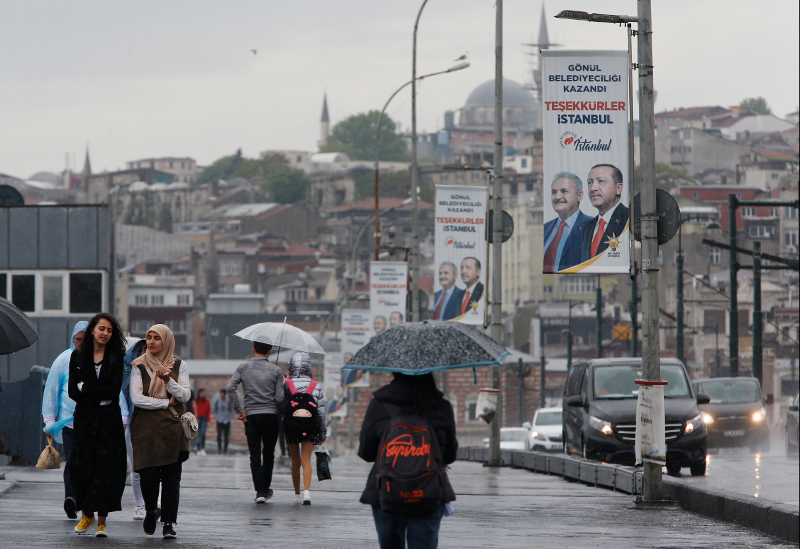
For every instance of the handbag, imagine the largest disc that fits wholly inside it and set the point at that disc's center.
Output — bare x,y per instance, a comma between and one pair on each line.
49,459
189,423
323,462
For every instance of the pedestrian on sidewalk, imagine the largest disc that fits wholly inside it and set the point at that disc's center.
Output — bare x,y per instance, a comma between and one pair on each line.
262,382
202,411
304,424
97,464
223,411
58,410
136,350
407,395
159,390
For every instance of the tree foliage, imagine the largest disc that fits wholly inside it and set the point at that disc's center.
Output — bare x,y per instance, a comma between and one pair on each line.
222,168
758,105
355,136
261,167
287,186
667,178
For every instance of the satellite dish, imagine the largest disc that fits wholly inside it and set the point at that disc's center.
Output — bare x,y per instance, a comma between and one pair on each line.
9,196
669,216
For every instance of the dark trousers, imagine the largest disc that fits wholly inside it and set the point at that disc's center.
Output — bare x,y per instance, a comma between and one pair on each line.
169,477
421,532
68,438
202,423
223,434
262,434
281,436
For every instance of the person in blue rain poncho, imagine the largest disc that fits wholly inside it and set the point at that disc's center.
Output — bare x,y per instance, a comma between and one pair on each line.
58,409
134,351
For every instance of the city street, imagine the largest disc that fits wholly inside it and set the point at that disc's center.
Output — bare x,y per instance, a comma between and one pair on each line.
501,508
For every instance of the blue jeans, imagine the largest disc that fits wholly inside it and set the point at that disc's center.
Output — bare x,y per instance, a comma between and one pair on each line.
202,423
421,532
68,437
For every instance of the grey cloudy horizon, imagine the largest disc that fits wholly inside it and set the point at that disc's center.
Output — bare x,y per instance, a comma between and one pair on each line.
177,78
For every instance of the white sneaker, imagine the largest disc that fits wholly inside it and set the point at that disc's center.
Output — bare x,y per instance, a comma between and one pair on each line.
298,498
139,513
202,452
306,497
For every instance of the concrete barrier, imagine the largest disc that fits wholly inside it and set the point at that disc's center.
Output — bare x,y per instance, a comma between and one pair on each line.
769,517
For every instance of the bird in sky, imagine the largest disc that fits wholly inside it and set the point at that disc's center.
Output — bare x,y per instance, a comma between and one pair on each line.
254,51
463,57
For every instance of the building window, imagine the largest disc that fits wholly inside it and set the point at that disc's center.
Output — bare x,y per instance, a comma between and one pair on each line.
789,237
523,163
23,292
444,178
223,268
156,299
696,194
85,292
141,326
748,211
774,175
236,268
790,212
714,321
459,177
579,284
760,231
714,256
774,212
140,299
475,176
184,299
52,293
547,289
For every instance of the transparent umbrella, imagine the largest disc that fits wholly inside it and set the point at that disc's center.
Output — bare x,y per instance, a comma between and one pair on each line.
281,335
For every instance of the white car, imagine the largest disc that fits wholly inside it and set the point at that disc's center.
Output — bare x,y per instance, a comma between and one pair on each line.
546,430
513,438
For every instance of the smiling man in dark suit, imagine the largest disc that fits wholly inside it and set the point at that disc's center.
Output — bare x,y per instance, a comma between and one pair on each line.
563,236
604,184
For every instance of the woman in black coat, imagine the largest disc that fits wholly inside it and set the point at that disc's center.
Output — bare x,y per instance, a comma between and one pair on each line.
411,395
98,461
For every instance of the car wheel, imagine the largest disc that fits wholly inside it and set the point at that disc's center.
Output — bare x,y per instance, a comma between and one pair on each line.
698,468
674,469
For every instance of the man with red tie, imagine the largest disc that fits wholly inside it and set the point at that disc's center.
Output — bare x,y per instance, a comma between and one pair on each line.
563,236
463,300
604,184
442,298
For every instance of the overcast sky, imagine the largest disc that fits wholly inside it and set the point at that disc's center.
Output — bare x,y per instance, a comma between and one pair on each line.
177,77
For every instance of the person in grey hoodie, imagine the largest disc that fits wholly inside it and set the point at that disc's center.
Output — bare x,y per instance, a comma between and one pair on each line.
262,382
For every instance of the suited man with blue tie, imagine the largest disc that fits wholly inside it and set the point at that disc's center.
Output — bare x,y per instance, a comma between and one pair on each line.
447,279
563,236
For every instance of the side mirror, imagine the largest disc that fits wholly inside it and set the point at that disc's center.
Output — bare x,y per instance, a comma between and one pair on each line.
793,408
576,401
527,424
770,399
703,398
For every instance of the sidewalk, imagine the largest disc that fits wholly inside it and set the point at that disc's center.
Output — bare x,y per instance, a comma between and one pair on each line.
496,508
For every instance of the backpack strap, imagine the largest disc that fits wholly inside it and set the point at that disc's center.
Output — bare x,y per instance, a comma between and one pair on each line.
393,409
290,385
311,387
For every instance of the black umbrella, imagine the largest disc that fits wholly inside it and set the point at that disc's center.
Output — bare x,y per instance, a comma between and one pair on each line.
17,332
417,348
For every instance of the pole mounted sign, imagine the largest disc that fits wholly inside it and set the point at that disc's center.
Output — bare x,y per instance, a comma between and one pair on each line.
585,131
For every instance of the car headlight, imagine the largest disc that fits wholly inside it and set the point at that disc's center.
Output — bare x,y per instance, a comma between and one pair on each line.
538,436
760,415
601,425
708,419
695,423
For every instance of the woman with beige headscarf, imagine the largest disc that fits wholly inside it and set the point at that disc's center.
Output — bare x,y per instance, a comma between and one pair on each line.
159,391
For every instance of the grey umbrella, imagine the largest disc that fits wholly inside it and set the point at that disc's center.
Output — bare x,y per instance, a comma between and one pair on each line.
17,332
417,348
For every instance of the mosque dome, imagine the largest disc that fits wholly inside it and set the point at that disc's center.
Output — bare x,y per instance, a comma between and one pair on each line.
514,95
519,107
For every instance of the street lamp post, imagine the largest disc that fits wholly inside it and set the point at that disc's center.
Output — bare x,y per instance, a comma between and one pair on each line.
456,67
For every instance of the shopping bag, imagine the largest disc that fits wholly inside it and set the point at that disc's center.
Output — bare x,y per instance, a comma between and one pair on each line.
49,458
323,462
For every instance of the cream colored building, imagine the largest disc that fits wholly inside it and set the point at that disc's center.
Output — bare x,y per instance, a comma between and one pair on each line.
183,169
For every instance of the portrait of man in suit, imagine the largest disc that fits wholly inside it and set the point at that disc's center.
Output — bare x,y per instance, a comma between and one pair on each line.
441,299
604,185
563,236
395,318
379,324
463,300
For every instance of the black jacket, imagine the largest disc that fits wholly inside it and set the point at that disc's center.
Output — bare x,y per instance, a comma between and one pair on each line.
377,419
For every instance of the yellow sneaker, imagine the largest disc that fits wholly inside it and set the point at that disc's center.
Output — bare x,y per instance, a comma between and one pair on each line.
101,531
84,524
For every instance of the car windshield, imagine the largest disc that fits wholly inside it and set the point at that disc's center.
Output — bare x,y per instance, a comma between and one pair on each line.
729,391
548,418
612,382
513,434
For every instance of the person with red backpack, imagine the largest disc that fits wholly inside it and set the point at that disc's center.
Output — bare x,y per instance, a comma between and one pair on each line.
303,421
409,432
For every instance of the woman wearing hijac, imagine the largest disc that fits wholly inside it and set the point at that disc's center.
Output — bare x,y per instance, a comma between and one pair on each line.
159,391
97,464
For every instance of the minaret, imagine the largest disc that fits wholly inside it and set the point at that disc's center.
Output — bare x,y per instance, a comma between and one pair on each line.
324,123
87,166
543,43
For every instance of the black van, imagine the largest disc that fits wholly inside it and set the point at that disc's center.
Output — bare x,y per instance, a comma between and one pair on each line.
599,413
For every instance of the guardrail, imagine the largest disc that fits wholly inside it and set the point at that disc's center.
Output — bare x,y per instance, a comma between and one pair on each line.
766,516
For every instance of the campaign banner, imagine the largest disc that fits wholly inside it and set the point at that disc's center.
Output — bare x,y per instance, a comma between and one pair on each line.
388,287
356,332
332,387
459,254
586,181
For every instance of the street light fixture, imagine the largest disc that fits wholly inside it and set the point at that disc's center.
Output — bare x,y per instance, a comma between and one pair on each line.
596,17
456,67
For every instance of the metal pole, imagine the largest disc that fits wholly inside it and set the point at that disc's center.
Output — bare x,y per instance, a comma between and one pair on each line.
351,417
634,312
542,385
733,314
569,337
497,229
652,488
598,304
757,319
414,257
716,354
679,308
521,395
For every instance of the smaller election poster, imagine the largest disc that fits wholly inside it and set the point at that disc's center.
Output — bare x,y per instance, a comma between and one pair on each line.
356,332
388,286
460,254
333,389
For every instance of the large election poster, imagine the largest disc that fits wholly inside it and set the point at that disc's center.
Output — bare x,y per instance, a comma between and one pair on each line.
586,179
460,254
356,332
